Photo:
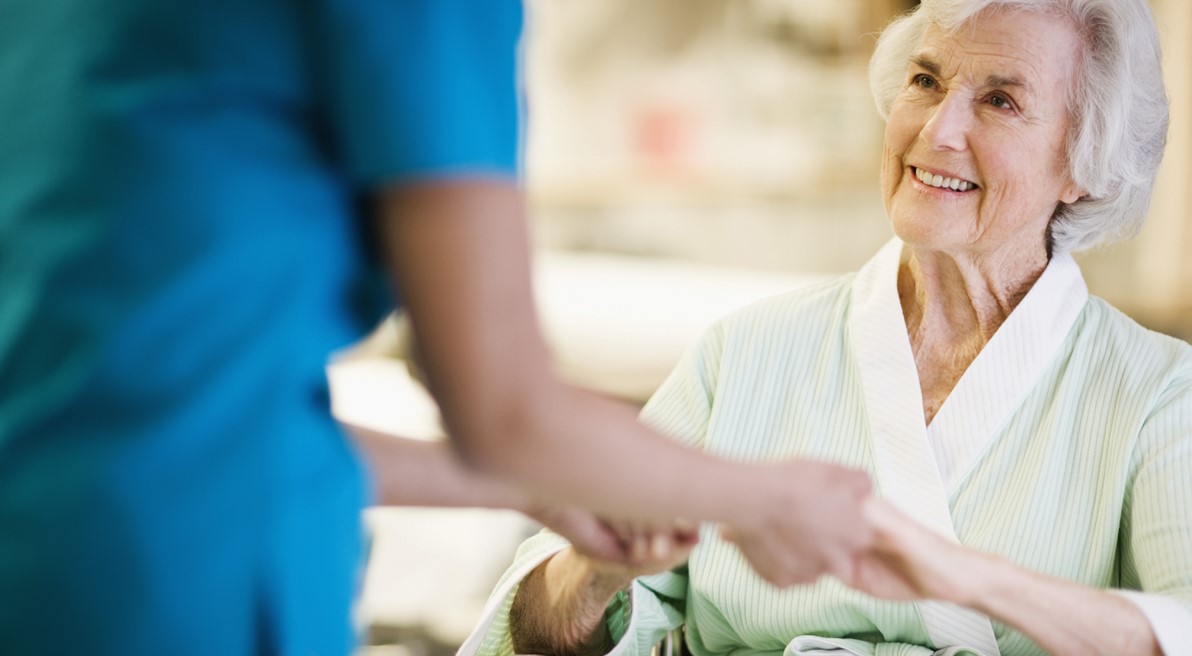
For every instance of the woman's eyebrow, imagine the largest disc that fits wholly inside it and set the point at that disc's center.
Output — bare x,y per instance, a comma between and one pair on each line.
927,64
999,81
1003,81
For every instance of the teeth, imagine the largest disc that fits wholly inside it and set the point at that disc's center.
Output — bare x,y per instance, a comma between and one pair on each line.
955,184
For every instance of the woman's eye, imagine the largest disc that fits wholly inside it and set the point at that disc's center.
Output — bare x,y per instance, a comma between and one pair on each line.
1000,101
923,81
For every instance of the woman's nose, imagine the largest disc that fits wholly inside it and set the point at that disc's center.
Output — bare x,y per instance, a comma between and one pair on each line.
948,126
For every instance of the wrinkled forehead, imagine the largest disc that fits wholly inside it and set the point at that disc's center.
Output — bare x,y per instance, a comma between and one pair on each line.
1038,51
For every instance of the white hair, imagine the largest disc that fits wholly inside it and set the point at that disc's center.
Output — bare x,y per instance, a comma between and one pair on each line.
1117,106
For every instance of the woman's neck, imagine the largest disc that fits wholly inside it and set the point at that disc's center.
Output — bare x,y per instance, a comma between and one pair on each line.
953,304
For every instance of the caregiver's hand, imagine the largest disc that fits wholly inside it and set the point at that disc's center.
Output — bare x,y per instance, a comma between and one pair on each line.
587,533
807,521
630,545
653,547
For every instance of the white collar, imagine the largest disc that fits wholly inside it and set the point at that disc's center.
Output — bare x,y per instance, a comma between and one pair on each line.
916,467
995,383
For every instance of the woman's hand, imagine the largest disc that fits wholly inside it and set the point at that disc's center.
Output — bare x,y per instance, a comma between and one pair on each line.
559,607
909,561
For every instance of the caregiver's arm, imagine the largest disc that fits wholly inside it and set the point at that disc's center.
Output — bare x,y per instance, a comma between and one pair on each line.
410,472
911,562
459,255
559,607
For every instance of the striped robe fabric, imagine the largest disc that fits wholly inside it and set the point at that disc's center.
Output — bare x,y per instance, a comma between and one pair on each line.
1066,447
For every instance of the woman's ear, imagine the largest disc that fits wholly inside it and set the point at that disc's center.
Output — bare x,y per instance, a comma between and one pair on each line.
1071,193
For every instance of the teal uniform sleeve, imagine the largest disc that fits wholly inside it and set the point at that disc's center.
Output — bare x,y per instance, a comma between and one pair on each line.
421,88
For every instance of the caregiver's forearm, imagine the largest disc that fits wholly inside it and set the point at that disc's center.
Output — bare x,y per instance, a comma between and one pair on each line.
409,472
559,608
1063,617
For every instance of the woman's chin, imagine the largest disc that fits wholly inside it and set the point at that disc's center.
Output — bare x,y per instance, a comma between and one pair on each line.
927,234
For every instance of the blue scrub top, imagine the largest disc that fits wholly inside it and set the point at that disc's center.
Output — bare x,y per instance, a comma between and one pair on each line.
181,246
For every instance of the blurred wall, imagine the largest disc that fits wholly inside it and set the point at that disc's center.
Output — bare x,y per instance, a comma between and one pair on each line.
1150,277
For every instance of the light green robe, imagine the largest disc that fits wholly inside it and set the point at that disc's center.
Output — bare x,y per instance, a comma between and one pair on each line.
1066,447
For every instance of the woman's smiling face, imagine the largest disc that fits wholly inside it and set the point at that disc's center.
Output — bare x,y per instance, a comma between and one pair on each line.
974,151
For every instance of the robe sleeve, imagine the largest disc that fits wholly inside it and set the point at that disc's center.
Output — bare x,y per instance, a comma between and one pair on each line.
491,636
1157,520
682,406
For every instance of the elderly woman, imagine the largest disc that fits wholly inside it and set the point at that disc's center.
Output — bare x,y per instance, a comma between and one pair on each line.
1030,445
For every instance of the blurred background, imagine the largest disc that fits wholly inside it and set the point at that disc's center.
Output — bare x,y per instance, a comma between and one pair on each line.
685,157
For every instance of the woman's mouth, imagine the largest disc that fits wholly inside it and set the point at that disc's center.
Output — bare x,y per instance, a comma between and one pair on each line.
943,182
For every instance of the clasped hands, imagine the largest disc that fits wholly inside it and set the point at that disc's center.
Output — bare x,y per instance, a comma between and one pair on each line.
817,519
